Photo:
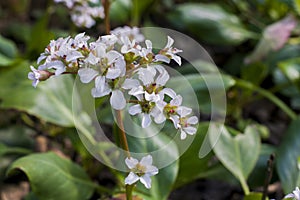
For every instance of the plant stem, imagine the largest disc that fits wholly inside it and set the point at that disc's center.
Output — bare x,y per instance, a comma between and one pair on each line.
245,84
106,6
269,175
245,186
129,189
122,134
135,15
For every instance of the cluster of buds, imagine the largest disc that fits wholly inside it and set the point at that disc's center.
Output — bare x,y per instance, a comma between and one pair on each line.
84,12
120,67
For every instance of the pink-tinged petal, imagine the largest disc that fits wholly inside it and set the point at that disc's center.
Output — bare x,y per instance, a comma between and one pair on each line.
182,135
146,180
147,160
131,178
117,100
134,110
146,120
87,74
192,120
131,162
162,58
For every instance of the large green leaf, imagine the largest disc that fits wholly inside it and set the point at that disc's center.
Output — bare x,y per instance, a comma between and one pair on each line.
238,154
51,100
210,22
192,167
53,177
287,158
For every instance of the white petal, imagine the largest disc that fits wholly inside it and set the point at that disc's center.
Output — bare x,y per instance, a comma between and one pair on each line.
192,120
151,97
175,120
146,121
101,87
112,56
147,160
113,73
151,170
289,196
92,59
117,100
184,111
190,130
87,74
130,83
163,77
162,58
146,76
170,42
131,178
148,44
169,92
134,110
177,59
146,180
131,162
177,101
182,135
159,118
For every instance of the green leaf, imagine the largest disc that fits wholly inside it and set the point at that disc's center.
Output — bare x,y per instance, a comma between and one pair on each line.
12,150
209,22
53,177
162,148
5,61
7,48
201,167
238,154
51,100
254,196
297,6
120,10
287,158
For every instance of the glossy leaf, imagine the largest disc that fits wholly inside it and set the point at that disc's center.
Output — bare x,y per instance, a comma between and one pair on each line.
64,179
238,154
51,100
210,22
287,158
254,196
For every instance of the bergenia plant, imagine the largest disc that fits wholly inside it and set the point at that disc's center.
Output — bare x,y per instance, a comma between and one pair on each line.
120,66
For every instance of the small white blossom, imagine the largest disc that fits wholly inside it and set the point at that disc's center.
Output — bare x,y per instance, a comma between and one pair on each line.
140,171
133,33
34,76
295,194
168,53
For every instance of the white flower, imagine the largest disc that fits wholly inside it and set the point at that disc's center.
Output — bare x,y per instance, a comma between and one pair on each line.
295,194
34,76
126,31
168,53
140,171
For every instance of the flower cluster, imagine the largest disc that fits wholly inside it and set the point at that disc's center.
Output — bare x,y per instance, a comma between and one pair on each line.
119,66
84,12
